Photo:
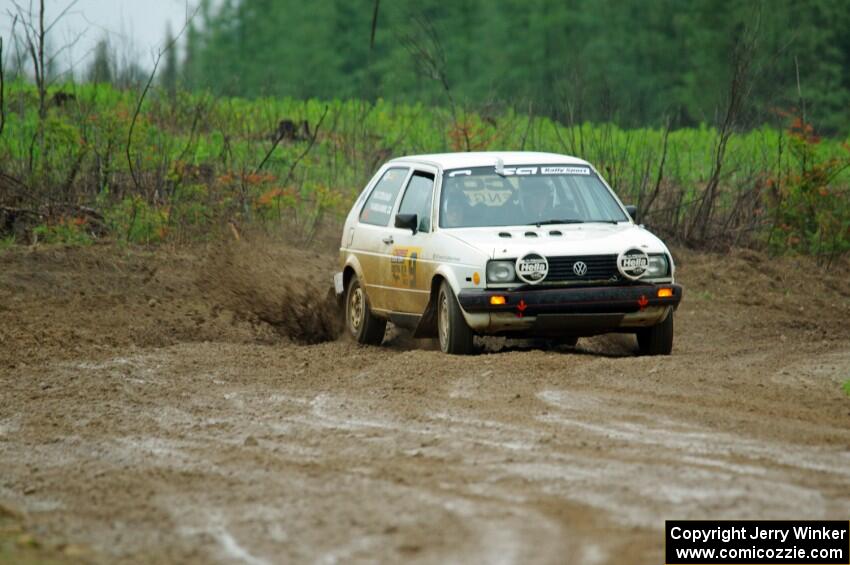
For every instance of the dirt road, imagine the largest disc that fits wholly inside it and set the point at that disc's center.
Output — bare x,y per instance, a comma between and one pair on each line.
154,409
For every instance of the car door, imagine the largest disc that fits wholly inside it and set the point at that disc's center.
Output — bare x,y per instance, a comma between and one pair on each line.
407,269
371,241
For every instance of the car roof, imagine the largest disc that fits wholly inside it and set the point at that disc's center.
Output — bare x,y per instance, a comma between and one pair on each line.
484,158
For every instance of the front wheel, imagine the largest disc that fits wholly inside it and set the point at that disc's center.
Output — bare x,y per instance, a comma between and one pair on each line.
658,339
362,325
454,334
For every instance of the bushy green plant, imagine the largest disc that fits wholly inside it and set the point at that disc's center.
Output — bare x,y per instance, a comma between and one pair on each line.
66,231
135,221
809,203
7,242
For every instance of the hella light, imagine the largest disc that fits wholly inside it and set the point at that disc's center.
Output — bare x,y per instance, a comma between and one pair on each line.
500,271
658,266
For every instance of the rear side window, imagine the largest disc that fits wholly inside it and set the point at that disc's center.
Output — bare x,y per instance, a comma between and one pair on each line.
379,205
417,199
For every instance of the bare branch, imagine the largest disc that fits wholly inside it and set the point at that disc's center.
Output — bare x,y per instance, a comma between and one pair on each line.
42,94
70,45
427,51
61,15
309,147
646,207
303,153
138,110
2,91
374,24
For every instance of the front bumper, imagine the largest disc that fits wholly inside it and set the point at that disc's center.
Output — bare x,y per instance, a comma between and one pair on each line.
573,311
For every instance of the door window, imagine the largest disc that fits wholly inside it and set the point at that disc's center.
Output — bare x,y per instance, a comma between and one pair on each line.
379,205
417,199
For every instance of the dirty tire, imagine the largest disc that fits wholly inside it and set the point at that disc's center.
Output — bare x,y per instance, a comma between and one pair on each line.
362,325
454,335
567,341
657,340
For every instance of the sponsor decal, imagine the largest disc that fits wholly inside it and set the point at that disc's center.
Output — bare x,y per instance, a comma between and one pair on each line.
580,268
488,196
519,171
403,265
525,171
380,208
564,171
384,196
532,268
633,263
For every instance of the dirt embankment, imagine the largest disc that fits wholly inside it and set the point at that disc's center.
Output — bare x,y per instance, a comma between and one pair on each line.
63,302
193,406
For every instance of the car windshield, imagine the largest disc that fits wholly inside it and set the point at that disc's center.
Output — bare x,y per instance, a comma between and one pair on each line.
527,195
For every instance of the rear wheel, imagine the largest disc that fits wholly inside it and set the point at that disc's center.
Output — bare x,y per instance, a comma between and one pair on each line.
454,334
362,325
658,339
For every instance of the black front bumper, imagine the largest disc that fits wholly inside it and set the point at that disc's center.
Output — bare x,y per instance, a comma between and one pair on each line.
531,301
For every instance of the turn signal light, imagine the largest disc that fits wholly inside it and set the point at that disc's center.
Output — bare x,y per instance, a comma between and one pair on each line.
497,300
665,292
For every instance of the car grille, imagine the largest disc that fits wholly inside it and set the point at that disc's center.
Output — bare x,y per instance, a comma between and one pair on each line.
599,267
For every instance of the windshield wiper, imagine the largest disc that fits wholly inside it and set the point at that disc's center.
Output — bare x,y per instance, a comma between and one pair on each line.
550,222
602,222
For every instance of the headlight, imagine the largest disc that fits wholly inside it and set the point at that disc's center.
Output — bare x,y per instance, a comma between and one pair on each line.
658,267
500,271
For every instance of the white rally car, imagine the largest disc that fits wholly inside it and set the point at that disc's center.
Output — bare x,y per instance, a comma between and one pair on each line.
518,244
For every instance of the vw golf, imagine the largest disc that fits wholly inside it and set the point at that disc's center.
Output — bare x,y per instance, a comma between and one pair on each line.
519,244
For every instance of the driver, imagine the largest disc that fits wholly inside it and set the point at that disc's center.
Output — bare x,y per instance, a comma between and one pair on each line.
537,198
457,205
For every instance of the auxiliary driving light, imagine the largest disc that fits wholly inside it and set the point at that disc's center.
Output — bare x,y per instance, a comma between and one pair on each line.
665,292
497,300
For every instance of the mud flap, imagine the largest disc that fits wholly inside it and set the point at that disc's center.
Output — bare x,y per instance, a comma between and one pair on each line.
339,300
339,284
337,293
427,326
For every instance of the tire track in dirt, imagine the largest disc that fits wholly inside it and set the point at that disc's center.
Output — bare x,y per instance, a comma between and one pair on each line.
162,438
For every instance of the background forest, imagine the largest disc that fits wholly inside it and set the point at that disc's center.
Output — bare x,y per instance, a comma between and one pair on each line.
629,61
726,122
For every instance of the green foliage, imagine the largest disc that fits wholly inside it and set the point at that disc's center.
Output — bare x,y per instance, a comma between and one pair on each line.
168,76
846,387
101,69
811,209
196,166
7,242
66,231
135,221
627,61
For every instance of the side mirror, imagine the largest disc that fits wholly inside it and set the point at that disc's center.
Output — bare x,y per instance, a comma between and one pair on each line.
632,210
407,222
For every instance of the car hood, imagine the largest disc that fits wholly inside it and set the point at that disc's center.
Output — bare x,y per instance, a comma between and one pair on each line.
558,240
